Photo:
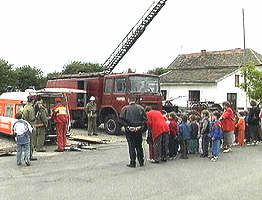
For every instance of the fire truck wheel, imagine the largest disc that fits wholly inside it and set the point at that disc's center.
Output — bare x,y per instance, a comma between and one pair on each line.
111,125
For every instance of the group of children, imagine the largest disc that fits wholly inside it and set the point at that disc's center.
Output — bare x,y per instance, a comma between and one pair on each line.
186,133
203,134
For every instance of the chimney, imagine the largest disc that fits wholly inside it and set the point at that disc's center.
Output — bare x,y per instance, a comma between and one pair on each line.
203,52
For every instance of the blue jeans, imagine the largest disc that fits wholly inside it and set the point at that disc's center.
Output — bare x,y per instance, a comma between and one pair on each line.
216,147
20,149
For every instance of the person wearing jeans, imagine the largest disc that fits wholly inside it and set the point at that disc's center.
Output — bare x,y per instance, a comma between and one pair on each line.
22,130
216,135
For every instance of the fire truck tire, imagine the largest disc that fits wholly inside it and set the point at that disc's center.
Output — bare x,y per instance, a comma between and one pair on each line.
112,126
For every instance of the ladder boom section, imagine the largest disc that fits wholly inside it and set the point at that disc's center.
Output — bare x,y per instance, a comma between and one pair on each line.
132,36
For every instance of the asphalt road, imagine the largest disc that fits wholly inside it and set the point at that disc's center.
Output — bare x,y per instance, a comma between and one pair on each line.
102,174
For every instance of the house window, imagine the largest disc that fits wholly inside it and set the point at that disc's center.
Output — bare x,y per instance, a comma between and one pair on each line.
236,80
194,95
164,93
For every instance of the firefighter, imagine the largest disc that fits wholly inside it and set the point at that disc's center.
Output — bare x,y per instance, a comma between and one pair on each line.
29,116
41,123
91,109
60,117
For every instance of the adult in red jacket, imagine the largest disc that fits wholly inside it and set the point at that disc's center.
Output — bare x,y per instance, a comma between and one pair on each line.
60,117
228,126
160,134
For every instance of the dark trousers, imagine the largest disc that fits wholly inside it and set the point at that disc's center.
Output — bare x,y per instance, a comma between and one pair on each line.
134,140
184,148
173,145
161,147
205,144
253,131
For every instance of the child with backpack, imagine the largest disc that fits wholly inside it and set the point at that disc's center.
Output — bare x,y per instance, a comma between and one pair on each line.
184,135
204,131
22,130
216,135
193,144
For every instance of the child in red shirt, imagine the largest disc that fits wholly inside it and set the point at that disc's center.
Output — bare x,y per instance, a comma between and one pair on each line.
173,140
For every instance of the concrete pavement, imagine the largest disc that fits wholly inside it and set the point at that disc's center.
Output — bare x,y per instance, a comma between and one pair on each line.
102,174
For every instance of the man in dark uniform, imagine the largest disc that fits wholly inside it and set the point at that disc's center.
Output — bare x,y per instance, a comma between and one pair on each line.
133,118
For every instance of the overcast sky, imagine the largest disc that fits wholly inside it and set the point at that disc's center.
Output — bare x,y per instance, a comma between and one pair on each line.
50,33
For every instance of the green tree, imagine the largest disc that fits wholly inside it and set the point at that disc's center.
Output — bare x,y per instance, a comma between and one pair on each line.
158,71
27,76
53,74
77,67
253,81
6,75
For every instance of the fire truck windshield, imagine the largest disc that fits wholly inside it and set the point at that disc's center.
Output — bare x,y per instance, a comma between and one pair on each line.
144,84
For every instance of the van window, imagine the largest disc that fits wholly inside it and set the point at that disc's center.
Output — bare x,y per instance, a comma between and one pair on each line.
9,110
120,85
1,112
19,107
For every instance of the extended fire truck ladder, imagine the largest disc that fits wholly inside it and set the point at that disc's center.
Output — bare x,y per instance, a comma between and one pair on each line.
132,36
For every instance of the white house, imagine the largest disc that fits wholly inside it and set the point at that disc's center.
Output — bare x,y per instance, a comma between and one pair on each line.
208,76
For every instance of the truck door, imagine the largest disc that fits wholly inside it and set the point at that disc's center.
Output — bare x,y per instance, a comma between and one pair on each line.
119,97
80,96
108,88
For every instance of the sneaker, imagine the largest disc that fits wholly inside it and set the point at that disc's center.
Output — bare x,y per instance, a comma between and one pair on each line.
155,161
226,151
95,134
18,164
214,159
27,163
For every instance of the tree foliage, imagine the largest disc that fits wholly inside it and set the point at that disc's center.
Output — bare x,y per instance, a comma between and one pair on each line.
6,75
27,76
253,83
158,71
76,67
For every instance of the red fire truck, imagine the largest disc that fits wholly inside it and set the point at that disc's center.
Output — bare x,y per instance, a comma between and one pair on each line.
112,90
111,93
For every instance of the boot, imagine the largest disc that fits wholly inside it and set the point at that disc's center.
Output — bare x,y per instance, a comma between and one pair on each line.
141,163
132,164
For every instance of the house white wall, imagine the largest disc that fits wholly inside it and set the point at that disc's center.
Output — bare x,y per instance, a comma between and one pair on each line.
227,85
216,92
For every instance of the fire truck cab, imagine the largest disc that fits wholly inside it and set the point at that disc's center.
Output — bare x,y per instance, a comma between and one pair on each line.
111,92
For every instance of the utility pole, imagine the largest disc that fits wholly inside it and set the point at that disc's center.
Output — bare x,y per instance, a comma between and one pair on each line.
244,30
244,55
